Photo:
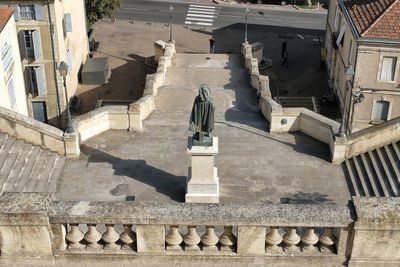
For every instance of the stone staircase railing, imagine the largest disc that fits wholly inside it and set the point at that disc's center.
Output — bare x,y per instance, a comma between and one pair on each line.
283,120
92,123
364,232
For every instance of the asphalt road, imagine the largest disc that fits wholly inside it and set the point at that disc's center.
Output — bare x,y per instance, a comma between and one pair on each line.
158,11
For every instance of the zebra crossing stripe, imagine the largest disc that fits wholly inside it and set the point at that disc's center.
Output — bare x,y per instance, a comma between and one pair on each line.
201,15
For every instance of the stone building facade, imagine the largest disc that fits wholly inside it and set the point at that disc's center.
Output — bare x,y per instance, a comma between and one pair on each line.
50,32
12,87
365,35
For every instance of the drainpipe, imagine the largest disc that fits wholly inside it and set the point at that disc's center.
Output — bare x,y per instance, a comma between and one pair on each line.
53,55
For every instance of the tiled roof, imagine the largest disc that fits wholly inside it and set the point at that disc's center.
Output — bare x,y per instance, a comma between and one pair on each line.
375,18
5,14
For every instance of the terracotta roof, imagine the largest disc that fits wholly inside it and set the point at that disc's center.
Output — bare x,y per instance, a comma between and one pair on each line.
375,18
5,14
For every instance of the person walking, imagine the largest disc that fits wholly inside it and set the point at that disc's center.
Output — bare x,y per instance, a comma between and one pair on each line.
212,44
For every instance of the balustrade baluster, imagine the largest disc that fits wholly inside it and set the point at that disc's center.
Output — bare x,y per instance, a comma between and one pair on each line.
92,237
110,236
227,239
327,240
74,237
209,240
309,239
273,239
174,238
127,237
191,239
291,239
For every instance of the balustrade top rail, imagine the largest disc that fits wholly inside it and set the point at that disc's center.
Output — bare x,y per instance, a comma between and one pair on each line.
322,215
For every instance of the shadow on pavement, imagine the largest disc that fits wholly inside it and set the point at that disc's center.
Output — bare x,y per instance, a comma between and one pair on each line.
125,82
307,198
165,183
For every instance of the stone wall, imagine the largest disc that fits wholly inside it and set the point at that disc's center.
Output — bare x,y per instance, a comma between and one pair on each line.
363,233
283,120
32,131
92,123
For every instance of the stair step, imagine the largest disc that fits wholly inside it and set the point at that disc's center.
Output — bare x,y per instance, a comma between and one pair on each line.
3,138
10,162
51,185
36,170
397,150
394,165
5,149
353,179
44,176
361,177
371,176
26,173
17,169
379,174
388,173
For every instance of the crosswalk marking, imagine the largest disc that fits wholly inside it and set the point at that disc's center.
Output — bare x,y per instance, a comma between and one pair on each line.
201,15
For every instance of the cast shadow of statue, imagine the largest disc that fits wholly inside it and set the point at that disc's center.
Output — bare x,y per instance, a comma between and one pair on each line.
164,183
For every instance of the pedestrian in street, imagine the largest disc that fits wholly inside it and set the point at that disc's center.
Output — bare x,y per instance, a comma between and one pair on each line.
284,55
212,44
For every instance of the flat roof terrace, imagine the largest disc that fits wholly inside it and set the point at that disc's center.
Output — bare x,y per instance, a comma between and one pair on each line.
253,165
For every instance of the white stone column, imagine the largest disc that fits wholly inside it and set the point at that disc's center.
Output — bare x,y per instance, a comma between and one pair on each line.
202,181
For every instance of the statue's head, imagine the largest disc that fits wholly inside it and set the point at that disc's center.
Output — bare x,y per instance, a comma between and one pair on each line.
204,93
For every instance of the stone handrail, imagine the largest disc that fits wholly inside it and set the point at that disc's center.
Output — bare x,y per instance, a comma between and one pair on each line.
371,138
36,132
282,120
34,225
128,117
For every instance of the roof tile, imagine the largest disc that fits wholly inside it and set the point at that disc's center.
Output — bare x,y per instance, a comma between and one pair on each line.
5,14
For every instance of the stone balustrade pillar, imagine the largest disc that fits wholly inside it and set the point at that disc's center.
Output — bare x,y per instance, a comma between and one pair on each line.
251,240
150,239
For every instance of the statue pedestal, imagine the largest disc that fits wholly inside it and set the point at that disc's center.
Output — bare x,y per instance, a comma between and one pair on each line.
202,181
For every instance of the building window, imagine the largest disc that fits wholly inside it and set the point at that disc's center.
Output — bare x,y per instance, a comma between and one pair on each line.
28,12
350,51
30,44
6,54
35,81
380,111
69,60
388,68
11,92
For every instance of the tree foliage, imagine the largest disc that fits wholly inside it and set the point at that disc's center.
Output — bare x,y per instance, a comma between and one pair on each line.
97,9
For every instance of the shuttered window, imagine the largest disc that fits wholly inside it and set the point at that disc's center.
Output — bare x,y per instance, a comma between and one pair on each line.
69,60
36,81
388,68
11,92
28,12
30,45
341,34
6,54
380,111
67,23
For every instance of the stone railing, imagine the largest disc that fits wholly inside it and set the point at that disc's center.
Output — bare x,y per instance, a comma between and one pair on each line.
34,225
283,120
37,133
128,117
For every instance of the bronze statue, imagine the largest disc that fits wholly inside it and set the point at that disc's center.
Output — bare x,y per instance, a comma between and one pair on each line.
202,117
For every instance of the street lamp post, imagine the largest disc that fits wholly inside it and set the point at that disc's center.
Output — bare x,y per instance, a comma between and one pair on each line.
171,8
246,13
63,69
349,73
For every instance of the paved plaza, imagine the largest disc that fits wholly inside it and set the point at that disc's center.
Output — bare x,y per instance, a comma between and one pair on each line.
253,165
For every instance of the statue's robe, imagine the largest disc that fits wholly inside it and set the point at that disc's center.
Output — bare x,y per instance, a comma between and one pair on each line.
202,116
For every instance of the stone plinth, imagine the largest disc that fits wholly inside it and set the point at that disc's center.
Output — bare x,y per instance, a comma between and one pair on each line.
202,181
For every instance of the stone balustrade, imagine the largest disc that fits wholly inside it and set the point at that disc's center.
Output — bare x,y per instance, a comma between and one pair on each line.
364,233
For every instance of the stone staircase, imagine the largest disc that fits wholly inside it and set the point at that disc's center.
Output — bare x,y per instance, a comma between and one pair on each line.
375,173
27,168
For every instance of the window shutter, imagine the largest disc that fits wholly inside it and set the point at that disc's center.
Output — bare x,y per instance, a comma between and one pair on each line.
16,12
341,34
38,12
36,44
11,93
69,60
67,22
22,46
388,68
40,80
